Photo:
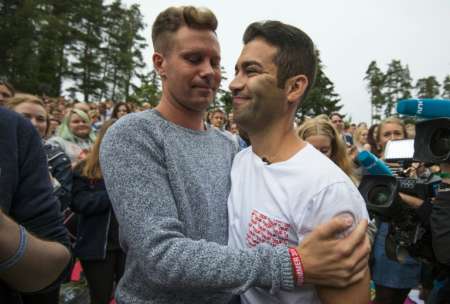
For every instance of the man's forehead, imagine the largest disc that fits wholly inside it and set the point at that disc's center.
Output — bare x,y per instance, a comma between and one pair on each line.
187,38
257,51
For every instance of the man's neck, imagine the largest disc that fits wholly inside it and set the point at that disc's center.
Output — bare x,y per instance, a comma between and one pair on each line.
179,115
276,143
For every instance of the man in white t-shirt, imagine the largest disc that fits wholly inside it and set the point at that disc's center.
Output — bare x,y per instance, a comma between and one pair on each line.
281,186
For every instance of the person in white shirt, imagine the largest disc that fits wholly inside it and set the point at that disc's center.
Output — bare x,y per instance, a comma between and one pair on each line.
282,187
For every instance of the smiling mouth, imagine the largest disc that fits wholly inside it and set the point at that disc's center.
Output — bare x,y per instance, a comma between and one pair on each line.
240,99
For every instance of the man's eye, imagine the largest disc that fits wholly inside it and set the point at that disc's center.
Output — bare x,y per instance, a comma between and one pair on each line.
251,71
194,59
215,64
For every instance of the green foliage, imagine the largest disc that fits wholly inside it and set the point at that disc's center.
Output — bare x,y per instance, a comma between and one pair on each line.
375,78
427,87
149,90
446,87
93,46
386,89
322,98
397,85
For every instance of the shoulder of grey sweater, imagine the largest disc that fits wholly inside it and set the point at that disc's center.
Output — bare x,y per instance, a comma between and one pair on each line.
133,135
228,138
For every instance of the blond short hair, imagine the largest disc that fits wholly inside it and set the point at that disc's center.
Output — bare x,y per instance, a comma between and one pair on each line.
173,18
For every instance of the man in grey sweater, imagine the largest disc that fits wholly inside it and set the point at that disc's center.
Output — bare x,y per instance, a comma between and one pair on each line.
168,180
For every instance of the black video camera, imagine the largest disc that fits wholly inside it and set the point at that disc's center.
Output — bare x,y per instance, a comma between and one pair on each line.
407,233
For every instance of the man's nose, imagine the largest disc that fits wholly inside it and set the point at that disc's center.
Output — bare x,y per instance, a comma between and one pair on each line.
207,70
237,83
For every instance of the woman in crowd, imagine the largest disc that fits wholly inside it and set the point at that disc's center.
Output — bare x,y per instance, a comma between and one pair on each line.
372,140
59,167
393,280
120,109
33,108
75,135
320,133
97,245
360,139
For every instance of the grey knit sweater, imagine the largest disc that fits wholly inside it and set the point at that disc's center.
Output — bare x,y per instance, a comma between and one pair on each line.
169,186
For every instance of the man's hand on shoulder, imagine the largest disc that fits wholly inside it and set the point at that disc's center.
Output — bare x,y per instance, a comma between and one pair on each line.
332,261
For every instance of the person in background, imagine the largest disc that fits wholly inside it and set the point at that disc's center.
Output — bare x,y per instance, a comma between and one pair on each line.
32,108
338,122
146,106
362,125
393,280
372,140
217,118
410,130
53,125
120,109
34,247
83,106
352,129
97,245
324,137
360,139
6,91
75,136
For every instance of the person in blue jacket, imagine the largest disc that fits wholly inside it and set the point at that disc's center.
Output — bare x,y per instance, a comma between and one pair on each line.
97,245
33,239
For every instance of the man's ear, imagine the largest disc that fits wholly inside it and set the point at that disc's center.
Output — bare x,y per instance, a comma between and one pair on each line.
158,64
296,87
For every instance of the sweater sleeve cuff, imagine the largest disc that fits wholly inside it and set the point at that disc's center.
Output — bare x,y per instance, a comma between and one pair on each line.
282,270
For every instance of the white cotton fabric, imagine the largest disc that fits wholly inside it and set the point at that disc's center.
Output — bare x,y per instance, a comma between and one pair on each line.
279,204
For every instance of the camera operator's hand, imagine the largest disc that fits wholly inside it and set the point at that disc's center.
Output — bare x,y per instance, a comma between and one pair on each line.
410,200
332,261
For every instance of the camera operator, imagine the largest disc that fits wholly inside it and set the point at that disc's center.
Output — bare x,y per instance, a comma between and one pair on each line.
434,214
440,229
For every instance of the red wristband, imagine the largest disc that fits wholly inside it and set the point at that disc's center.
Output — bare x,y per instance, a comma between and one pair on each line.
299,271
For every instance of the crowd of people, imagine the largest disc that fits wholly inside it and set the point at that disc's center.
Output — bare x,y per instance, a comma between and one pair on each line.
148,201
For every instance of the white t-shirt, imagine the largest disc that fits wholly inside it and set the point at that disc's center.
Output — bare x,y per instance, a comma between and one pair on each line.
279,204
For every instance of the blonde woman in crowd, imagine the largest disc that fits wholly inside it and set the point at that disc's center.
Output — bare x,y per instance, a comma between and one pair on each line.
360,139
75,135
321,133
97,244
393,280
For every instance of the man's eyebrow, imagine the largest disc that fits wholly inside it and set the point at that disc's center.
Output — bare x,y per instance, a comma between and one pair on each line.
247,63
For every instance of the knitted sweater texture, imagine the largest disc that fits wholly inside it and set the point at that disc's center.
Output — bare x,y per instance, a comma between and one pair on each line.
169,186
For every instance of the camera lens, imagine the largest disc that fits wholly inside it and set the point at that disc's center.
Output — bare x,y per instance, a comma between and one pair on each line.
379,195
440,142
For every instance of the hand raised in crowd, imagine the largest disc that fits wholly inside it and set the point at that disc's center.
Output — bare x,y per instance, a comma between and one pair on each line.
332,261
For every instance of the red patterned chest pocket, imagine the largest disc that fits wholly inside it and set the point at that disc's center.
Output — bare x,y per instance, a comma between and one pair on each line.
266,230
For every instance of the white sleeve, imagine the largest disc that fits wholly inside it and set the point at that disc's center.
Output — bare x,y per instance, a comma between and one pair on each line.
335,199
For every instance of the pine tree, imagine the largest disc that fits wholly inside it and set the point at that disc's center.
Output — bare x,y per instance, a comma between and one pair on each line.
223,98
149,90
446,87
322,98
19,22
54,38
123,50
397,85
427,87
375,78
86,51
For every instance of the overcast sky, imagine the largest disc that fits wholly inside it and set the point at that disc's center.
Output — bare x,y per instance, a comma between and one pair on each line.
348,33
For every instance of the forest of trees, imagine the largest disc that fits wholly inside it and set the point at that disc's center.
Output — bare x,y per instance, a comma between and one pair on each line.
92,47
93,51
385,88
